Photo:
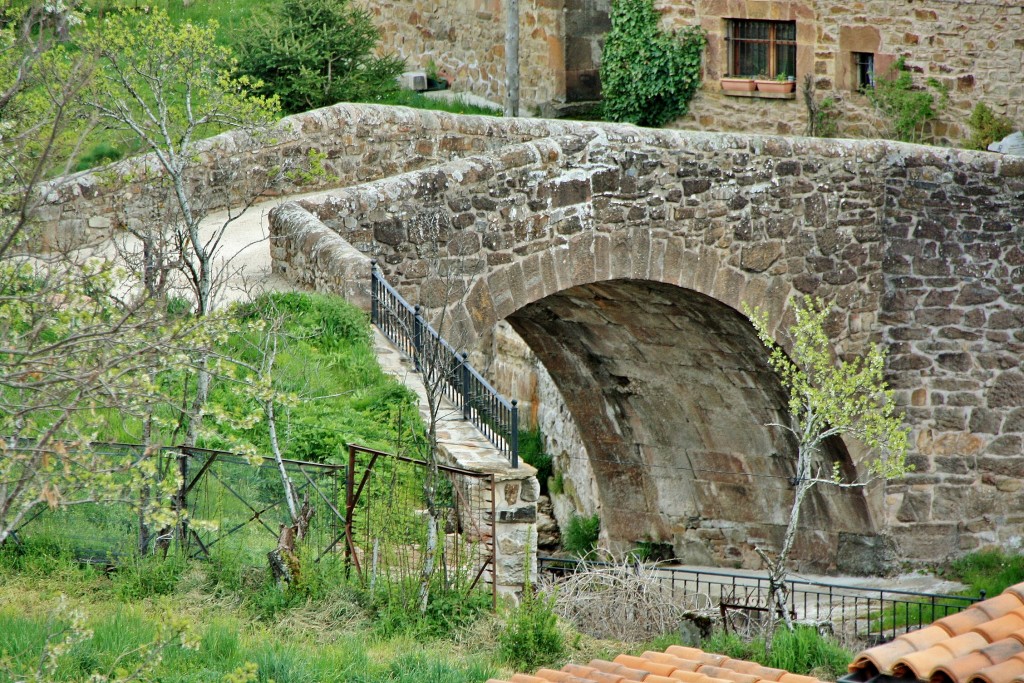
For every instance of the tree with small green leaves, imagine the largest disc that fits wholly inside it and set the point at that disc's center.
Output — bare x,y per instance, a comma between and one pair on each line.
908,105
171,85
828,398
648,74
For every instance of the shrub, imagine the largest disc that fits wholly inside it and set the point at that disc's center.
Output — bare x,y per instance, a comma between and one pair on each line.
313,53
908,106
531,450
530,637
987,127
648,75
580,536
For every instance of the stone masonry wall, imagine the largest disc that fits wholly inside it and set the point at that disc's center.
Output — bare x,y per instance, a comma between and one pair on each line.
467,39
361,143
975,49
917,247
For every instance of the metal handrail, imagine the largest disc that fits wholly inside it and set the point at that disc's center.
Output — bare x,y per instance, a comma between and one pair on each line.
495,417
873,612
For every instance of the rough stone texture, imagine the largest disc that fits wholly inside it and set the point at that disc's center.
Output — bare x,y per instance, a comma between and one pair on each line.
466,38
361,143
516,536
602,245
975,49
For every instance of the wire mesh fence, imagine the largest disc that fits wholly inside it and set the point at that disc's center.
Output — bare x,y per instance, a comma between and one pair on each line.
232,502
410,519
392,519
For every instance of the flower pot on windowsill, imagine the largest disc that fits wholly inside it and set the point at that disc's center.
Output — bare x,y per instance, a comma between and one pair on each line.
735,84
775,86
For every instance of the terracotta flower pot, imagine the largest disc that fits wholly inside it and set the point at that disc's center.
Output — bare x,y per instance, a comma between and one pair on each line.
775,86
738,84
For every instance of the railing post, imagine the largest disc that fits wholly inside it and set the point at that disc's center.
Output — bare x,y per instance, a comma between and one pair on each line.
417,338
514,437
464,372
374,314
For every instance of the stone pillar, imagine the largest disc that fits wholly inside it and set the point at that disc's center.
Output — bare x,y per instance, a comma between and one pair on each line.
515,544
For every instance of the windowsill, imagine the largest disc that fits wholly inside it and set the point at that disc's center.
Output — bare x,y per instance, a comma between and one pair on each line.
757,94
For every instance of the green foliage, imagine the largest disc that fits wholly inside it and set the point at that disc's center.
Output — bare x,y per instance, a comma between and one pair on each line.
828,399
822,115
101,153
411,98
991,571
326,373
531,451
170,84
987,127
580,535
143,577
530,637
908,106
802,651
648,75
313,53
447,610
314,171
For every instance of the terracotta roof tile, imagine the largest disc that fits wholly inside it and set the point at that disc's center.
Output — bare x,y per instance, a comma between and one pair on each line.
796,678
923,663
677,662
689,676
1003,672
727,674
982,644
645,665
1000,628
1017,589
696,655
960,670
675,665
627,673
962,622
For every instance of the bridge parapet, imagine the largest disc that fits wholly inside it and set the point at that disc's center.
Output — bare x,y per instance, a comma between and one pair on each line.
916,247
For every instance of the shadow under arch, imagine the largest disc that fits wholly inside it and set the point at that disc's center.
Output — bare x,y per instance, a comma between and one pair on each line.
670,391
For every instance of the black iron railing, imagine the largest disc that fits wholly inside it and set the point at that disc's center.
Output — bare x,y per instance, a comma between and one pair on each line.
873,614
447,369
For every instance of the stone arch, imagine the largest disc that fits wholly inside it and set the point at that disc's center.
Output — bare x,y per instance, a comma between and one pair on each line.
675,459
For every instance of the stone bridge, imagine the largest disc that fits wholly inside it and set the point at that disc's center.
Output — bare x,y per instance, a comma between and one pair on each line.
621,257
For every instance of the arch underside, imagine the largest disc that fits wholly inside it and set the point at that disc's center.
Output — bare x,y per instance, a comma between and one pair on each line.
671,393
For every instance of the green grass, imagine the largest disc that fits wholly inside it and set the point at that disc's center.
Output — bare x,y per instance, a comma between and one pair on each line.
802,650
991,571
409,98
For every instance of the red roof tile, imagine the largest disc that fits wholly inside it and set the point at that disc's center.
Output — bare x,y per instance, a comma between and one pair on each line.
982,644
675,665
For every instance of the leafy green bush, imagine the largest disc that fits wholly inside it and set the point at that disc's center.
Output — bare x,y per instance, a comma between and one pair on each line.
648,75
580,535
531,451
987,127
908,106
530,637
101,153
313,53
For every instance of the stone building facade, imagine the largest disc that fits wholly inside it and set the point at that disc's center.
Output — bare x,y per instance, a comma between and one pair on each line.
975,49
